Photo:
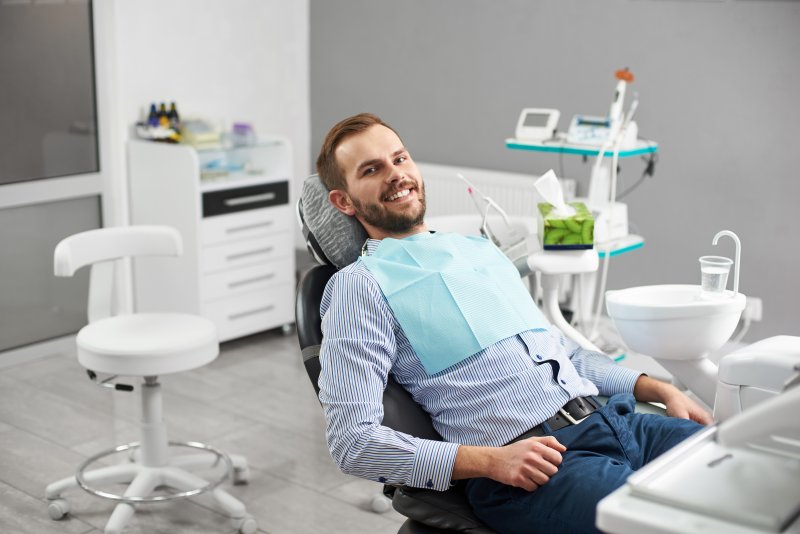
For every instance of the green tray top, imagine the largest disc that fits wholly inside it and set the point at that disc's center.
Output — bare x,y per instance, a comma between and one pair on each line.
561,146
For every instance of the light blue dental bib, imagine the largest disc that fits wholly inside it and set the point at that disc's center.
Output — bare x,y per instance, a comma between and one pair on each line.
453,295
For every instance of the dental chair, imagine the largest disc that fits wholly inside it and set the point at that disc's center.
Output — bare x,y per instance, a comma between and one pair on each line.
146,345
335,240
428,511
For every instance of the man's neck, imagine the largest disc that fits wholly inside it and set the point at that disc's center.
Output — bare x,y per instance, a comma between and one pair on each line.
377,233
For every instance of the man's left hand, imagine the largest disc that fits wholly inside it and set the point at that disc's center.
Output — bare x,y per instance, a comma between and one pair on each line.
678,404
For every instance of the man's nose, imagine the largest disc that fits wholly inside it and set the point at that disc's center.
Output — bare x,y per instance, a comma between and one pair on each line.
395,175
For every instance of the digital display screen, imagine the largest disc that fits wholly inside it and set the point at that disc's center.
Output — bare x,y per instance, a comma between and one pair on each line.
536,120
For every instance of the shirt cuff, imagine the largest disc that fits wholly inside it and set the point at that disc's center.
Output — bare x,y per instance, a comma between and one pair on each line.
619,379
433,465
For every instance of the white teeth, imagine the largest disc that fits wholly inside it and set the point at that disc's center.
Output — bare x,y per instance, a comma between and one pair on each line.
400,194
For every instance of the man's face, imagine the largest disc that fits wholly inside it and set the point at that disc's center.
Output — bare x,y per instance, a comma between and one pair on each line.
384,189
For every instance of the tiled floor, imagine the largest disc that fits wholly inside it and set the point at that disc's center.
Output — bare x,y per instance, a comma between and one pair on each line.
254,400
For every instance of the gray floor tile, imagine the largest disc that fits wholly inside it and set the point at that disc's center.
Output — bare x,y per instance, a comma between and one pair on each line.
293,457
292,405
122,432
207,384
20,514
282,507
51,416
29,463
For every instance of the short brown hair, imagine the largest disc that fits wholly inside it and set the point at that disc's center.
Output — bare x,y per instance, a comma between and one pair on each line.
327,167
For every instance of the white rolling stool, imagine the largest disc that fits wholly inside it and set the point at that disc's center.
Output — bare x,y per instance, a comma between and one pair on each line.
143,345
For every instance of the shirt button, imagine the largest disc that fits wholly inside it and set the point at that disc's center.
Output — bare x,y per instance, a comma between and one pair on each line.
538,356
429,483
382,479
563,381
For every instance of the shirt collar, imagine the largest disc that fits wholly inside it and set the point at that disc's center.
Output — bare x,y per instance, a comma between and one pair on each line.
369,246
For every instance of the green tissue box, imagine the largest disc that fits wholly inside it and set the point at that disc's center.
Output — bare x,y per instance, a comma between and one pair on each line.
571,233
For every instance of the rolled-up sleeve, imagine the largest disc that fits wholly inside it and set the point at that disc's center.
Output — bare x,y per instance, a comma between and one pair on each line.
357,353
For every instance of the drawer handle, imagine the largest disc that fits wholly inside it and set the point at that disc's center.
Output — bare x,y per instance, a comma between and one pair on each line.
247,281
248,227
249,253
235,316
250,199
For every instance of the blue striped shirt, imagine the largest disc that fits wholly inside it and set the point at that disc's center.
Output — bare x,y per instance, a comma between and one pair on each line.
487,399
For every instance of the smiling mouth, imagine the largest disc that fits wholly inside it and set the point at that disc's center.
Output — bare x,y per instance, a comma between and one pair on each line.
402,191
399,194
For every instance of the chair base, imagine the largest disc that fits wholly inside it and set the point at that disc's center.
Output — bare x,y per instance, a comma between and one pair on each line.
143,480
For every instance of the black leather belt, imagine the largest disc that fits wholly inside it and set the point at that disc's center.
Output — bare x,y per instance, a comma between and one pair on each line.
571,413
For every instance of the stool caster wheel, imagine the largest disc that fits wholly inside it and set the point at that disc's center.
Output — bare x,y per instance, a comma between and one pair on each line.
380,504
57,509
286,329
245,525
241,475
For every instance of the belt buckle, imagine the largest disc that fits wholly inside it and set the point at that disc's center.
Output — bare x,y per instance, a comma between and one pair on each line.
571,419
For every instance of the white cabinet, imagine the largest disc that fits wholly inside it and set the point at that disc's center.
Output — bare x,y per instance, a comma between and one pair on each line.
232,208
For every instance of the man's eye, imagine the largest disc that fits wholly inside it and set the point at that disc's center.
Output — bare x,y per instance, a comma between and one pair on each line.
369,170
400,159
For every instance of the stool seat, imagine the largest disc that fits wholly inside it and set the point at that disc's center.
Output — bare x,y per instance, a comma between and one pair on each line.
147,344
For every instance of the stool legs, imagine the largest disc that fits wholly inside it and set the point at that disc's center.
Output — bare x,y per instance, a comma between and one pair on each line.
115,474
145,482
222,500
151,467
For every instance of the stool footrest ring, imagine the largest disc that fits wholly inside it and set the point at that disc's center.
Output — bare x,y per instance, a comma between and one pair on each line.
79,476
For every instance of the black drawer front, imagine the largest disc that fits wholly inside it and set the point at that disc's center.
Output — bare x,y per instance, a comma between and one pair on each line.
245,198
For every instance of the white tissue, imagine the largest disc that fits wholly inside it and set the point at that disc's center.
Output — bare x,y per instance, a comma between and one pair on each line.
550,190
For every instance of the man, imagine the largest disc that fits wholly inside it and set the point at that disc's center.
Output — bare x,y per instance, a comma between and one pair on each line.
498,408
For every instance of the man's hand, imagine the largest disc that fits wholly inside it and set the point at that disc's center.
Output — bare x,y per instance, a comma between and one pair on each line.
529,463
678,404
526,464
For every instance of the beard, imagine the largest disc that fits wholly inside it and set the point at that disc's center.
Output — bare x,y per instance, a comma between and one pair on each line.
378,216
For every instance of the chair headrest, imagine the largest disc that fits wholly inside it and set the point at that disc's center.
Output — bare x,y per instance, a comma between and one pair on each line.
331,236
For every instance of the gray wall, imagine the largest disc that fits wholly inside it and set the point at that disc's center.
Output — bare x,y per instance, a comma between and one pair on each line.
718,82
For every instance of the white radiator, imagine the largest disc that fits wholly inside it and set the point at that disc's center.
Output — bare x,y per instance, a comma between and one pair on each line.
446,194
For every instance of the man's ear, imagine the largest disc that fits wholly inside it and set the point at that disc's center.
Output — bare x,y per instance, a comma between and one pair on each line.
341,201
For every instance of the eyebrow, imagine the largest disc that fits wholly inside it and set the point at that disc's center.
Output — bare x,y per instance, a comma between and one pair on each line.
378,160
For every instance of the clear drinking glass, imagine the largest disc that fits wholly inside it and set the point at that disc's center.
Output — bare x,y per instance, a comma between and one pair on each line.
714,272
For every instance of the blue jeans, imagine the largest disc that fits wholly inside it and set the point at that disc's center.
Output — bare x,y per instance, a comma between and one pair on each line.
602,451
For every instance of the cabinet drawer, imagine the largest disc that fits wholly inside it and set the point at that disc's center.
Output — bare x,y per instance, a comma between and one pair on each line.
246,224
251,312
248,252
245,198
253,278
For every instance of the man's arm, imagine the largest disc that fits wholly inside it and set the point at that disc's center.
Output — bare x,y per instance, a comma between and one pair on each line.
526,464
678,404
611,378
358,351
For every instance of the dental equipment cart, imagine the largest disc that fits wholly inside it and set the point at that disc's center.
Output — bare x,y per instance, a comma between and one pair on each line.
611,218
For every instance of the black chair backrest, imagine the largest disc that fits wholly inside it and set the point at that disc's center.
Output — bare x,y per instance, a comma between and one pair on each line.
400,412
